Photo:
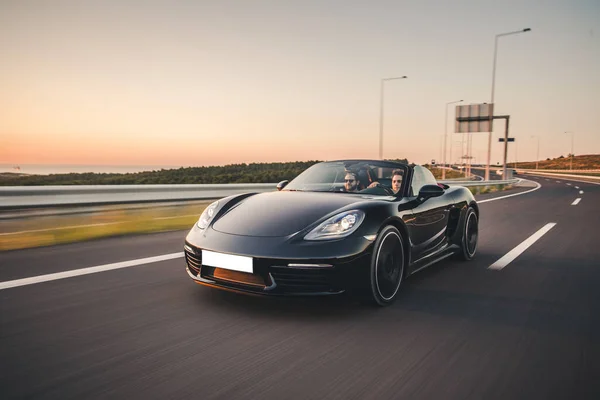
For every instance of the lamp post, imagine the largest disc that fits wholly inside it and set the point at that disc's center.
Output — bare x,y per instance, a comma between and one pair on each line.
446,135
489,155
381,113
537,159
572,141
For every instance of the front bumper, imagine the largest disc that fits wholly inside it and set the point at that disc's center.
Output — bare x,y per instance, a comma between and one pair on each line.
273,276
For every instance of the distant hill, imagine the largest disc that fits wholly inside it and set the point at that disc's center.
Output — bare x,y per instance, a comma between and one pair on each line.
590,161
233,173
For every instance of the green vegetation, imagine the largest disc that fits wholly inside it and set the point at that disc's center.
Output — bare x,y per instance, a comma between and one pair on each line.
590,161
234,173
489,189
450,174
110,221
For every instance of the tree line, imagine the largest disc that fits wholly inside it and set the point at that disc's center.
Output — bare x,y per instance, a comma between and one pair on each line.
232,173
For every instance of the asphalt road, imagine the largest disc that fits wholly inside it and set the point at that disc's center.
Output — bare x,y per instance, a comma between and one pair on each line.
530,330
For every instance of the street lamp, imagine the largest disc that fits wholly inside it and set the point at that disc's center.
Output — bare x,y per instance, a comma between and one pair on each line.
446,135
381,114
572,140
487,169
537,160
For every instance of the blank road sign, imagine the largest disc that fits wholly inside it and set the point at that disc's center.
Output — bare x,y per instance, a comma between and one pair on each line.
474,118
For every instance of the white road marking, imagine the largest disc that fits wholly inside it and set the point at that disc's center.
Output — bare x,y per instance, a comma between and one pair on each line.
514,253
557,181
86,271
577,200
581,192
576,187
568,184
511,195
548,179
588,182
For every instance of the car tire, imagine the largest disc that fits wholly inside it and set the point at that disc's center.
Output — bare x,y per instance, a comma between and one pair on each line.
470,236
387,267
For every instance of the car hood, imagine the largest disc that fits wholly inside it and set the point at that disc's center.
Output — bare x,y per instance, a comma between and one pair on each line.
281,213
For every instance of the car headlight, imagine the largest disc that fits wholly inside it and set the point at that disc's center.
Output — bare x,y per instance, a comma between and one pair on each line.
207,215
338,226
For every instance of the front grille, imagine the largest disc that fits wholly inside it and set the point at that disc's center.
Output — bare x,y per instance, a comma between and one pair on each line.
194,262
305,280
235,277
270,276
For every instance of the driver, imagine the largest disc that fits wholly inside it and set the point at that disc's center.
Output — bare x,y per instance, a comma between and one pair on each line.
351,182
396,181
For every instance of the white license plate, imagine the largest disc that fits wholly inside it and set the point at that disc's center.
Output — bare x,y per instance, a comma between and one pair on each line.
227,261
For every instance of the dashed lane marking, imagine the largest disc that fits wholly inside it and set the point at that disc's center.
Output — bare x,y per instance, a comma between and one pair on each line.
580,181
516,252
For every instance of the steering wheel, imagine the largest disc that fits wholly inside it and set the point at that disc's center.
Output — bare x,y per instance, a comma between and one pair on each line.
387,190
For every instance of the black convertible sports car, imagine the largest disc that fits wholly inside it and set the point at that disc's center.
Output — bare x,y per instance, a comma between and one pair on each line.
357,226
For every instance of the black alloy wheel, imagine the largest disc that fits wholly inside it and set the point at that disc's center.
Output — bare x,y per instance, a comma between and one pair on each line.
470,235
387,266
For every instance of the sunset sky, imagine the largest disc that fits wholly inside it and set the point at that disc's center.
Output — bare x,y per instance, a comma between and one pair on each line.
189,83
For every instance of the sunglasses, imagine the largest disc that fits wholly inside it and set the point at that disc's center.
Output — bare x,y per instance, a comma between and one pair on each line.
349,180
394,181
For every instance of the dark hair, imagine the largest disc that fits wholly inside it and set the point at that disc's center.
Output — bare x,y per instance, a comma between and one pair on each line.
397,172
351,173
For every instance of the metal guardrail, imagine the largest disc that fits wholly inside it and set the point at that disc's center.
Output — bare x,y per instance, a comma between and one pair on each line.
481,183
12,197
20,197
594,178
558,170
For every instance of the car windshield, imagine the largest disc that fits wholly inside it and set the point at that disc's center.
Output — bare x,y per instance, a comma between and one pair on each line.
362,177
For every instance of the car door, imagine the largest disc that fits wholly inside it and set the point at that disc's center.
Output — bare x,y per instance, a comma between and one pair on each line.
429,217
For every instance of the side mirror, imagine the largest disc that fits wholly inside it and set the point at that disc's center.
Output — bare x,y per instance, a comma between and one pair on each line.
282,184
429,191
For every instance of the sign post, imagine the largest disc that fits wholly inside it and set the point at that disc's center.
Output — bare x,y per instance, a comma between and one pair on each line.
506,140
474,118
479,118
